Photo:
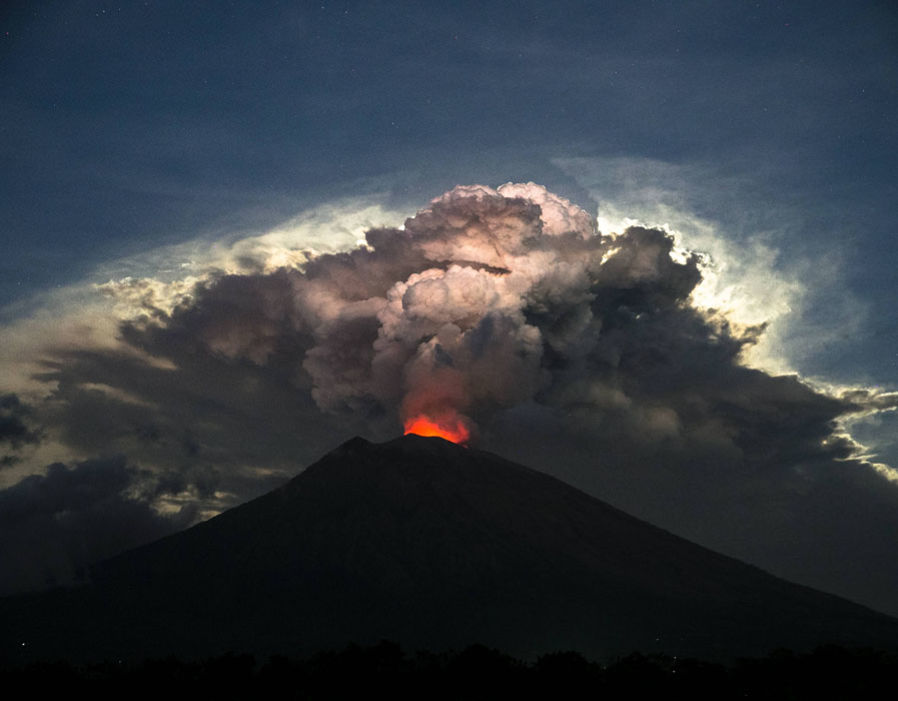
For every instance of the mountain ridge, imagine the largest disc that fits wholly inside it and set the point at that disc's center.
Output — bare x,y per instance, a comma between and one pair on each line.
437,546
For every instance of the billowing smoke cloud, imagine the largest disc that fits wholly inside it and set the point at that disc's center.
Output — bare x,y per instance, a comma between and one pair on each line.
484,301
492,300
506,311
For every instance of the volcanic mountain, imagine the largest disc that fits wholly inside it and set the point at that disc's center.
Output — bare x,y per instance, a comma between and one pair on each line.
435,546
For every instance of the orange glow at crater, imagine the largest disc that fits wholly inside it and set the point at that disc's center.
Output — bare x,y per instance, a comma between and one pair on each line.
451,427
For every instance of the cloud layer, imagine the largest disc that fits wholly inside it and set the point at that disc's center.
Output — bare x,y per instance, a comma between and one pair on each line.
580,353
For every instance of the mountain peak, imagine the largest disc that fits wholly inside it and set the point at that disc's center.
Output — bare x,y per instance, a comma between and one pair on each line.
437,546
407,444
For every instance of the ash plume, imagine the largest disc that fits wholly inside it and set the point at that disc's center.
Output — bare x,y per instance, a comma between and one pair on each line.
485,300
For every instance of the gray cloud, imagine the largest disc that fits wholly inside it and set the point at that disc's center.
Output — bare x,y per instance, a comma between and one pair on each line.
53,526
14,429
229,430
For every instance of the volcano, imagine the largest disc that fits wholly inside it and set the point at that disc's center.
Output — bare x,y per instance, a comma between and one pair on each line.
435,546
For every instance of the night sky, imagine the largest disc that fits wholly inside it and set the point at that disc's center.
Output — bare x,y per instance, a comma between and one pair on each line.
178,333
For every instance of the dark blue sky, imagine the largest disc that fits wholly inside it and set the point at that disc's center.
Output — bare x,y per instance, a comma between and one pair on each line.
128,126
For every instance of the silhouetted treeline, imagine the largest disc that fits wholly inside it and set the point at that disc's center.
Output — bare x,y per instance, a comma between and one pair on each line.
474,673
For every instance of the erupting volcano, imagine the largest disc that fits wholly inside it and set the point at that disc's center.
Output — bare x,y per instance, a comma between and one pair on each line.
450,427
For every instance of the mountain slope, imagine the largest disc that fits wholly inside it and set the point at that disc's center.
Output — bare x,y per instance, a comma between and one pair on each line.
435,546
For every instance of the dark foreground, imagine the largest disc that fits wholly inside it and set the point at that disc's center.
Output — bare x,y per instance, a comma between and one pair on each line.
475,673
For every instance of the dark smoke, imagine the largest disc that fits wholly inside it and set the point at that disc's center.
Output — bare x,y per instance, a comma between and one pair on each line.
14,429
53,526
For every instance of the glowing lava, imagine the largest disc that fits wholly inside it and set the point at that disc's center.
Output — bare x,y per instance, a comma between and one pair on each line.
452,428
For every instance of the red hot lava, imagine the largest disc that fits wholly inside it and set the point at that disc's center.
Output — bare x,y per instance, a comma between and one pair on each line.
450,427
